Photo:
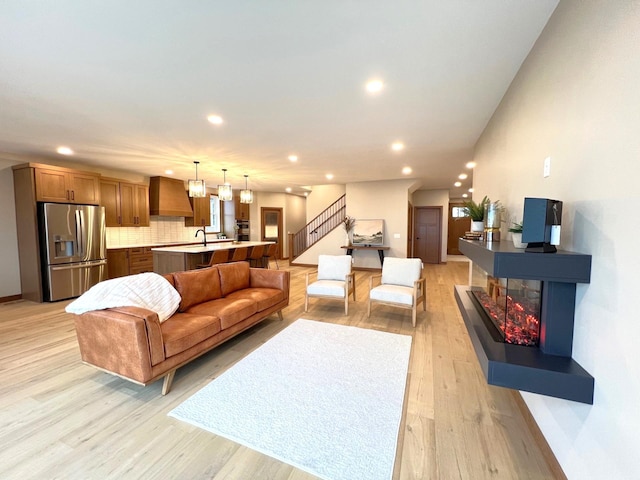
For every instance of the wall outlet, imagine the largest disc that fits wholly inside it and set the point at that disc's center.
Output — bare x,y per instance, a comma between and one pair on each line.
546,171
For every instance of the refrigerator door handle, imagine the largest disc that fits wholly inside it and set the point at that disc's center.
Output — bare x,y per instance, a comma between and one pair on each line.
75,266
80,233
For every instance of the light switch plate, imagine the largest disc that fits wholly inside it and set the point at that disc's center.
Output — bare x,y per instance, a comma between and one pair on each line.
547,167
396,235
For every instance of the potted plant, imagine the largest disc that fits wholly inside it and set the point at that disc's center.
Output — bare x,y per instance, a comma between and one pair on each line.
348,223
476,212
516,235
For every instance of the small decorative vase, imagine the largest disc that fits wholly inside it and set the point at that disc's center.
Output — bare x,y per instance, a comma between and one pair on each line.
347,240
517,240
477,226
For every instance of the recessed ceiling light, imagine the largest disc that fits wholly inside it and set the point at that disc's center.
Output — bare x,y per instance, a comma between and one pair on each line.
407,170
464,195
293,158
458,184
288,189
397,146
374,86
215,119
64,151
471,190
463,176
470,164
168,172
329,176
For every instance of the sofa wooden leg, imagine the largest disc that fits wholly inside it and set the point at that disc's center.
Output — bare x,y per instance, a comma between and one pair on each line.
168,380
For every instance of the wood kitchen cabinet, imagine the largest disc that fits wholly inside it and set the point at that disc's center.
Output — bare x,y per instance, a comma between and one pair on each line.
241,209
201,212
129,261
126,204
63,185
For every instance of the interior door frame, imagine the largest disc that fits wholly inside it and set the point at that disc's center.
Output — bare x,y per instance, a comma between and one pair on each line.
279,210
437,209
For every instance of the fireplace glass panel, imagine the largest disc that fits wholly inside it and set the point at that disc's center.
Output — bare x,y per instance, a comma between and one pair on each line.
512,305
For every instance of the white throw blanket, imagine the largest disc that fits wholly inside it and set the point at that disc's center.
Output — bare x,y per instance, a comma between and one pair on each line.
146,290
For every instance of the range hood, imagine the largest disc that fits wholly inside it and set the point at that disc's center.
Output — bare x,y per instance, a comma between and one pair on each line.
168,197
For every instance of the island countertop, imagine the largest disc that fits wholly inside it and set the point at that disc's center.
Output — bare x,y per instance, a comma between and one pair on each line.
200,248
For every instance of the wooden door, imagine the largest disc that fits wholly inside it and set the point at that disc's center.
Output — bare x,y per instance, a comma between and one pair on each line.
85,188
142,205
110,200
428,228
52,185
272,227
458,226
128,213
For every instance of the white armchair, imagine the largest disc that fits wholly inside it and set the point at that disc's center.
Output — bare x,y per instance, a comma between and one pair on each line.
335,280
400,285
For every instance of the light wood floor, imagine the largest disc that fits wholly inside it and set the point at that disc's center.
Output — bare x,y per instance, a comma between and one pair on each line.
60,419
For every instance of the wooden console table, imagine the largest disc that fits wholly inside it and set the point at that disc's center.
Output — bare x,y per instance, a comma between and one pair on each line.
380,249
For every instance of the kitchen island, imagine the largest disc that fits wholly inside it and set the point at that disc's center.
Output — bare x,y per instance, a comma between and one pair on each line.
188,257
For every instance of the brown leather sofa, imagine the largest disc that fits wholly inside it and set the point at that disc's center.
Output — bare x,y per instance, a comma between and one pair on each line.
217,303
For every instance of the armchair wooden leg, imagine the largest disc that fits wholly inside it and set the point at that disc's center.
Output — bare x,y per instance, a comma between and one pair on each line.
306,302
280,315
168,380
369,308
414,314
346,303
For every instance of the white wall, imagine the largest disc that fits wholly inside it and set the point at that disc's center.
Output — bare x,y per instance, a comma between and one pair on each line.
387,200
577,99
436,198
9,264
320,197
293,214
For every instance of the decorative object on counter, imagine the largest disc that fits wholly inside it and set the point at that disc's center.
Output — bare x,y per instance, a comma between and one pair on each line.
197,187
225,192
348,223
516,235
476,212
246,195
542,218
493,211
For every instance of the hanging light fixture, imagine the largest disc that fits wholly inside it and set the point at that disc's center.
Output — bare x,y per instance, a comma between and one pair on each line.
225,193
246,195
196,187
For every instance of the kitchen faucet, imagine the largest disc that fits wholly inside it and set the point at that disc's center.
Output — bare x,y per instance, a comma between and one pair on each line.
204,234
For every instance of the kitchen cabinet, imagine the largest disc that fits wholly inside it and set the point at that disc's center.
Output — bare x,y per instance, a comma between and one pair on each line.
241,209
201,212
126,204
63,185
129,261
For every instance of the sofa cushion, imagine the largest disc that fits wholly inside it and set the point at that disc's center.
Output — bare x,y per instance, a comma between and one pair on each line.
233,276
264,297
229,310
184,330
197,286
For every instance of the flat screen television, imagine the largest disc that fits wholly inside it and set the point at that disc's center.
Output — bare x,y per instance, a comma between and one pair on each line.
368,233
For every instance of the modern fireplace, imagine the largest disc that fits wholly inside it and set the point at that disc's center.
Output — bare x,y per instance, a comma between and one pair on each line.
519,312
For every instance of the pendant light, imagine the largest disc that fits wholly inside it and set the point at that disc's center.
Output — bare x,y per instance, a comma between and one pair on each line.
225,193
246,195
196,187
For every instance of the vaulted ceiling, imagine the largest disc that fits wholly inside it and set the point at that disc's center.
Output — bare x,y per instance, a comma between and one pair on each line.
129,85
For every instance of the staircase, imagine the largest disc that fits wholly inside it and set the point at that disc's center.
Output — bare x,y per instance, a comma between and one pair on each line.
317,228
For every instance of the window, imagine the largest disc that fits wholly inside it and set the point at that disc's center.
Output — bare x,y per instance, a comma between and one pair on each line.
215,215
458,212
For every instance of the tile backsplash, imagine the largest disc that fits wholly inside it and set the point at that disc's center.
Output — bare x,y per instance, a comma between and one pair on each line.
160,230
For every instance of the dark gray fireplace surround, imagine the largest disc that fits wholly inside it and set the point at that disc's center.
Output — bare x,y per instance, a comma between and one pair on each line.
549,368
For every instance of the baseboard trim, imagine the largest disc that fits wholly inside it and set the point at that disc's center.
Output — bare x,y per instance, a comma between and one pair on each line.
10,298
541,442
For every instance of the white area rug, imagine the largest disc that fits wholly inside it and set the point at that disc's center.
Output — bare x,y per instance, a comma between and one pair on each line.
324,398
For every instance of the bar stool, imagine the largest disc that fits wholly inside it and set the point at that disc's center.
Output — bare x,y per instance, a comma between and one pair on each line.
270,252
255,255
218,256
239,254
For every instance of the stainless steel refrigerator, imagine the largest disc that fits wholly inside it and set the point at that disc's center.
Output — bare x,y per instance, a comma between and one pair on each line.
72,247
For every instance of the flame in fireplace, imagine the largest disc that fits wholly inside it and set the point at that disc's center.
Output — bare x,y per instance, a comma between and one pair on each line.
516,322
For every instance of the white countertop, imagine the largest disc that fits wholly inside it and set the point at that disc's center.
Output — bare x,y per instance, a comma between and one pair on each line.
200,248
167,244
